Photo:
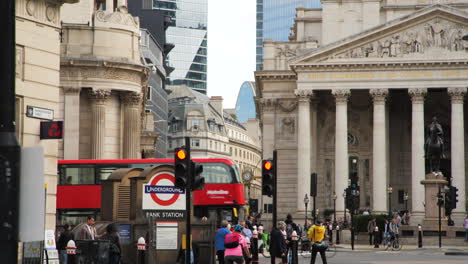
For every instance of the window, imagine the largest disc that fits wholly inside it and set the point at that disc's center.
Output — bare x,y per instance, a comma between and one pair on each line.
195,143
175,126
230,150
224,147
235,151
211,144
216,145
194,124
77,175
148,93
268,208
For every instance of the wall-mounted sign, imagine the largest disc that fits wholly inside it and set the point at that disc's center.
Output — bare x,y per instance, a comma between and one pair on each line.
51,130
40,113
161,194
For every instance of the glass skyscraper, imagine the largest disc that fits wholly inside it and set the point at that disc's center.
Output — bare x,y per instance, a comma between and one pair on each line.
245,105
188,32
274,20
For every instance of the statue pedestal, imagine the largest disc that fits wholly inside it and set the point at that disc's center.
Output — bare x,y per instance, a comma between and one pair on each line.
432,183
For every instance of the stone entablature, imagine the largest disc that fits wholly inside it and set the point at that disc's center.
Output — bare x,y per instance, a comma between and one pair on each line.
46,12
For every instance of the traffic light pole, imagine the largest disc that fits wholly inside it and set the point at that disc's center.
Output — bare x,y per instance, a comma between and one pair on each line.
275,185
9,147
188,227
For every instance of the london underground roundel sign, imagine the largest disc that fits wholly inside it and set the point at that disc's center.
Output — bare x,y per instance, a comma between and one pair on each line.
161,194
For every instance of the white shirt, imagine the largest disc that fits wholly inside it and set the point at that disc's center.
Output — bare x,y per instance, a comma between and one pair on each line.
91,231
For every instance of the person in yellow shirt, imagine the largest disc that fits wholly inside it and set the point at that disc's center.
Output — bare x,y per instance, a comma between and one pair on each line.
316,235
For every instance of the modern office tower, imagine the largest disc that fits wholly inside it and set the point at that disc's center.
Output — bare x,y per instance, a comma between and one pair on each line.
188,32
245,105
274,20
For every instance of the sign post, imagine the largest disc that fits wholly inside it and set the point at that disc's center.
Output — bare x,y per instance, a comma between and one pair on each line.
188,231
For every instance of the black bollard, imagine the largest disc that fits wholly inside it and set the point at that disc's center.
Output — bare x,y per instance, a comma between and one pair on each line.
71,252
141,249
254,246
420,242
337,234
294,240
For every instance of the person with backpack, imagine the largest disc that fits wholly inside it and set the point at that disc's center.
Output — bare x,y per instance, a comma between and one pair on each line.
317,237
235,245
219,240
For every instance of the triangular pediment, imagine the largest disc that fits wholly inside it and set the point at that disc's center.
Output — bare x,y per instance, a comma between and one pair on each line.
430,34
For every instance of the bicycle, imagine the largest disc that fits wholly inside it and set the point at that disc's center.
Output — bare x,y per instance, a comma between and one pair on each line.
394,242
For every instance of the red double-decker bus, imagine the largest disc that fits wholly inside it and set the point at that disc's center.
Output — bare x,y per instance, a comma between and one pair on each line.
79,187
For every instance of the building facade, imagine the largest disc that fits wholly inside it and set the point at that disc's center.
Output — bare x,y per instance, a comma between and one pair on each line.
274,19
354,89
188,32
37,83
215,133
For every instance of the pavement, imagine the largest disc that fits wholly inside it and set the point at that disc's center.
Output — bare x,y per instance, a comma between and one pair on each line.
363,254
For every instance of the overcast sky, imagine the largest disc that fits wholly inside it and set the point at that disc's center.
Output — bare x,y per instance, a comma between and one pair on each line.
231,47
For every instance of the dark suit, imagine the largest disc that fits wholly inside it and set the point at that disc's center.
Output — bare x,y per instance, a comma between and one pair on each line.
277,245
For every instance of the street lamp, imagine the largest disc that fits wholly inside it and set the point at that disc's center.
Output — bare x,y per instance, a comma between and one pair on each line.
405,198
345,222
334,208
306,201
389,191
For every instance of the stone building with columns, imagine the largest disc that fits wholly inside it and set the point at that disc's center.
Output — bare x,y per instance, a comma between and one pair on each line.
353,91
103,80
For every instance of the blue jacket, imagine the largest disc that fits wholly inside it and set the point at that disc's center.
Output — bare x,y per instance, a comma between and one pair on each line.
219,240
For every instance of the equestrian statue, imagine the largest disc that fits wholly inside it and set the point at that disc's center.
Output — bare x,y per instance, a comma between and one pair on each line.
434,145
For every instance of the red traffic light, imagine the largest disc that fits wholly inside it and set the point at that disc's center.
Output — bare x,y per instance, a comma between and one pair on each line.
267,165
180,154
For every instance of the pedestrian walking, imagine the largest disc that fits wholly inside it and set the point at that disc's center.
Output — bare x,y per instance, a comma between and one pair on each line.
386,231
236,246
330,232
62,242
246,231
466,228
370,229
115,251
219,240
278,247
88,232
317,236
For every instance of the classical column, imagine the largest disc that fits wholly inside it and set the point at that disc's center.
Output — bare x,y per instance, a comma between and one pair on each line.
71,135
458,151
131,125
314,133
341,145
98,121
417,153
110,6
303,146
379,151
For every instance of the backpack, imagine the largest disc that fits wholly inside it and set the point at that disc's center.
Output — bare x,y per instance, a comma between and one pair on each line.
231,240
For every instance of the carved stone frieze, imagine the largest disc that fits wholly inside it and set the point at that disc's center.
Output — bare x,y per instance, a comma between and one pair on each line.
101,73
285,51
119,17
44,11
457,95
417,95
287,105
99,96
435,36
379,96
131,98
341,95
268,104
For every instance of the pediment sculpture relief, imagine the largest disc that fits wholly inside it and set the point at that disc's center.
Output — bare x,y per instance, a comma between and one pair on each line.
287,105
436,37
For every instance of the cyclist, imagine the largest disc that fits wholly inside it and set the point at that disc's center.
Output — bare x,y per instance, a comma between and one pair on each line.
393,229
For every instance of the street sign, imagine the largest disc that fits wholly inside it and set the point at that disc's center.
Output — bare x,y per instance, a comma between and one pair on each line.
39,112
161,194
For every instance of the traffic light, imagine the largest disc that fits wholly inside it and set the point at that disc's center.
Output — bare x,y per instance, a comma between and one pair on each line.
349,199
440,201
268,177
454,193
451,200
198,182
313,184
181,164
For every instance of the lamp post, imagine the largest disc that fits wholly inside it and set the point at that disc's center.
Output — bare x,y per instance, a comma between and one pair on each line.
345,223
334,208
306,201
405,198
389,191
